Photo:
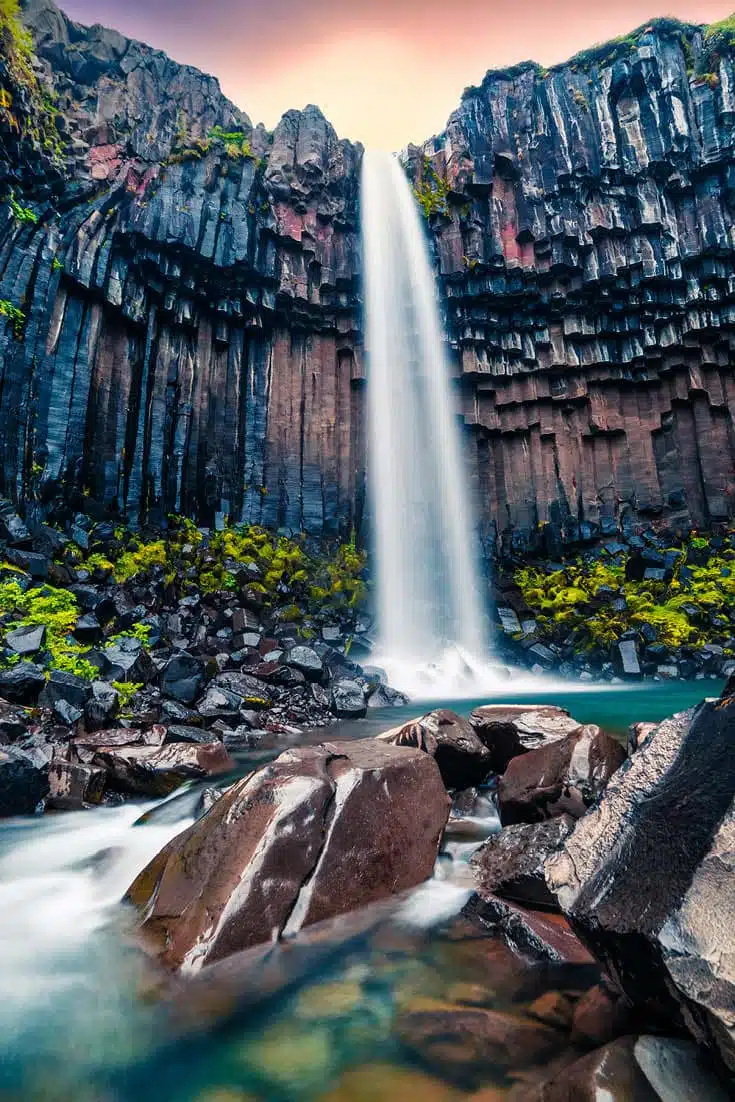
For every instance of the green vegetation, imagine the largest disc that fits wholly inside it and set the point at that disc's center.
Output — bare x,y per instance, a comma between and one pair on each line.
580,99
235,144
16,317
16,48
126,690
431,191
690,609
20,213
57,611
718,40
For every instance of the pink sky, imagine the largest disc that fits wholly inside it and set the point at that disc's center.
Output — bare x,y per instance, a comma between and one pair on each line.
385,72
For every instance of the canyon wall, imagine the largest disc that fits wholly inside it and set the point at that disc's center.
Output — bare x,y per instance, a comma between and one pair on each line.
584,227
189,296
189,337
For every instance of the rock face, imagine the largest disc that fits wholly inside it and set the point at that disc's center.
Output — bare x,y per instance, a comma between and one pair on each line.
647,876
321,831
462,758
511,863
583,225
189,334
190,330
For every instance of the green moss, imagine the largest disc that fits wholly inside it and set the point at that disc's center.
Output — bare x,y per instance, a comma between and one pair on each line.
20,213
141,632
126,690
57,611
578,597
431,191
16,318
140,559
37,121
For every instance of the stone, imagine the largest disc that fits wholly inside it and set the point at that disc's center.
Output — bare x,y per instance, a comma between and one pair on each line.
347,699
177,732
461,1042
23,782
634,1069
100,706
12,529
26,640
462,758
647,876
382,696
88,628
566,776
307,661
511,863
158,770
542,935
22,683
183,678
512,729
318,832
73,786
509,621
628,651
601,1015
128,660
65,689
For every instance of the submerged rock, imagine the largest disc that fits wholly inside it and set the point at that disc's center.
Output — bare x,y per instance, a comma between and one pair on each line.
320,831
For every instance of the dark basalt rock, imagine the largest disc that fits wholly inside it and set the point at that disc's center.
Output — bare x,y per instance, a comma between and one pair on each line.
462,758
510,730
22,683
647,876
566,776
23,781
511,864
183,678
317,833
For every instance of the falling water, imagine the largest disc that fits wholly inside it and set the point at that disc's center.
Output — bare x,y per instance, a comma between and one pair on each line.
429,597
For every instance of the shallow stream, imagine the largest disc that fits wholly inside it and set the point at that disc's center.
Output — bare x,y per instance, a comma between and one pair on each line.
333,1017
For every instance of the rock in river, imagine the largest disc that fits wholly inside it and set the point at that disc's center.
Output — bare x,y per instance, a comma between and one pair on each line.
462,758
648,876
320,831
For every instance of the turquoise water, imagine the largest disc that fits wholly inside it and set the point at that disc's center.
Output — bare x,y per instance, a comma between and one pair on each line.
332,1019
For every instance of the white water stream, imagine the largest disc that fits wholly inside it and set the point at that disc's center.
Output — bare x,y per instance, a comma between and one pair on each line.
429,595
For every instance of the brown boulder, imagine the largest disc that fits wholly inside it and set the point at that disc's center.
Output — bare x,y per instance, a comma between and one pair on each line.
462,758
463,1041
634,1069
511,863
539,934
508,730
565,776
320,831
158,770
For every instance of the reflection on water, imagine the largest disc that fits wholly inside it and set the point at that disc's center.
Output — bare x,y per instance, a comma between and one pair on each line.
346,1013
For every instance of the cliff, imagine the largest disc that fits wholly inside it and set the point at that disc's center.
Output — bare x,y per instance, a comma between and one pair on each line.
187,338
183,303
583,222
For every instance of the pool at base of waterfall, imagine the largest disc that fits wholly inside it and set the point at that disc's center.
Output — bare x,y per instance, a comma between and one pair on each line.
408,999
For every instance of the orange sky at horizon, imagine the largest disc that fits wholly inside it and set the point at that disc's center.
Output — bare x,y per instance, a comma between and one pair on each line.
385,72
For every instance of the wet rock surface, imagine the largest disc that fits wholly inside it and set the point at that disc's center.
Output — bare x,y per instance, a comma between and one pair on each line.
319,832
462,757
646,877
511,863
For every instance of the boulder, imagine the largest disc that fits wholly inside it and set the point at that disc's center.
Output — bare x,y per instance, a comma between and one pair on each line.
66,694
306,661
648,876
183,678
542,935
512,729
461,1042
101,705
128,660
23,782
382,696
565,776
26,640
159,770
634,1069
318,832
73,785
347,699
462,758
511,864
22,683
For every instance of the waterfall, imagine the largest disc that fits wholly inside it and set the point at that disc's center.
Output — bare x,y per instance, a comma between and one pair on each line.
429,598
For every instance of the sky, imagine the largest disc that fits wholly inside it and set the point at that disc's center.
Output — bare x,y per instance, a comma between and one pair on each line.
385,72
